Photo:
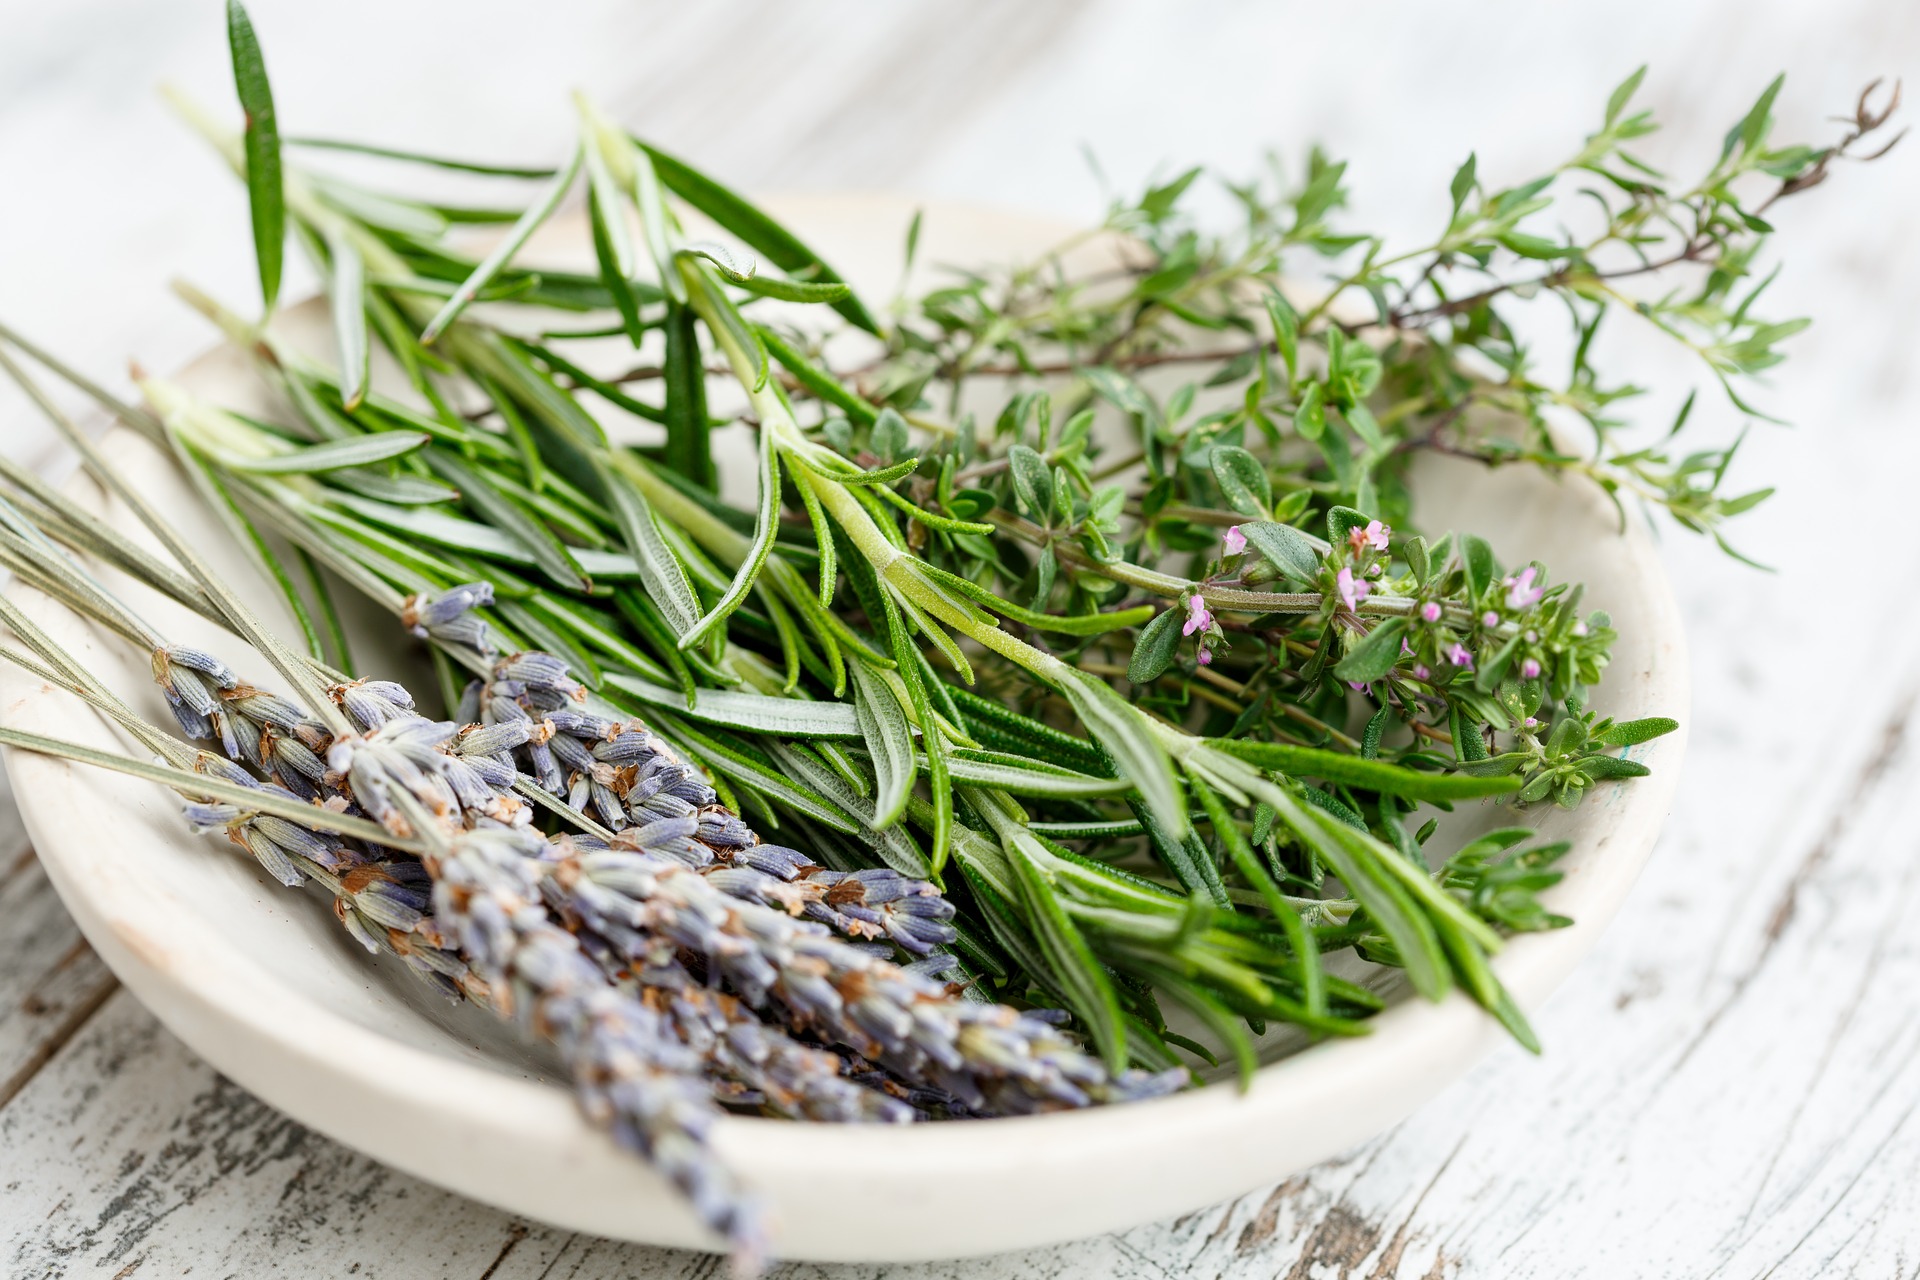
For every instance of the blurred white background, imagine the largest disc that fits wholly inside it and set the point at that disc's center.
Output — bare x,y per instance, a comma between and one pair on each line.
1731,1083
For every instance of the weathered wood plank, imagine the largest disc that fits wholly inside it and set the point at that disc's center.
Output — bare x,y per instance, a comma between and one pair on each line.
127,1154
1729,1081
50,980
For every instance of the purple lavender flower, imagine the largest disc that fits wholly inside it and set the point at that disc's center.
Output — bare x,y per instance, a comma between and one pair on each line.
988,1056
769,1067
634,1076
447,616
190,679
372,703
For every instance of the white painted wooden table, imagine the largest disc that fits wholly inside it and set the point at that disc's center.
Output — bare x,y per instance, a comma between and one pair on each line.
1731,1082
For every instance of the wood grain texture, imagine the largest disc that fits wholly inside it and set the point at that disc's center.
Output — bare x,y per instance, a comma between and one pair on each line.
1731,1081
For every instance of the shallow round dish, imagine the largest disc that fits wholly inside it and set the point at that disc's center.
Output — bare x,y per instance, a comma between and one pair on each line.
261,982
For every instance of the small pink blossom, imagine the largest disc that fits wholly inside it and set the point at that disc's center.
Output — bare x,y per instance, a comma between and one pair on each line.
1198,619
1351,590
1358,687
1234,541
1374,570
1530,670
1430,611
1579,628
1489,619
1457,654
1521,593
1420,671
1206,657
1531,723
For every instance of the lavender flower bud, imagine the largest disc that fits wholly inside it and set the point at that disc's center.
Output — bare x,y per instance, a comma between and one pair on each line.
372,703
447,616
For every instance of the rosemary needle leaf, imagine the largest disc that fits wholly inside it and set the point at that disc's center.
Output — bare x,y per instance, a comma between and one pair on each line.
553,557
516,238
261,145
750,712
815,381
766,528
1019,776
660,570
889,740
689,451
1372,775
335,455
419,157
758,231
349,298
794,290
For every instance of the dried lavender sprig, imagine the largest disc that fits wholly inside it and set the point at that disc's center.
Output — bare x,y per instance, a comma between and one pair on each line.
380,900
629,775
633,1075
781,1073
989,1056
634,1072
644,888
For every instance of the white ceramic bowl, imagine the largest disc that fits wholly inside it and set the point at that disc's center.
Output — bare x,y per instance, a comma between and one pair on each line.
262,983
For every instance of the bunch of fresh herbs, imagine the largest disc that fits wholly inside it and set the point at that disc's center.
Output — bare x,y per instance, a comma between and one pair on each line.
1098,600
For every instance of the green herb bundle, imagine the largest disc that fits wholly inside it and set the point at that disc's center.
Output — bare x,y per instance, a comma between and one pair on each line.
1101,601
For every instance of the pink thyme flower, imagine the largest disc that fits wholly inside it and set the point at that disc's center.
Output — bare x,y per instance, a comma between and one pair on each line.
1489,619
1206,657
1420,671
1235,541
1198,619
1521,593
1430,611
1530,670
1374,535
1351,590
1532,723
1579,628
1457,654
1359,687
